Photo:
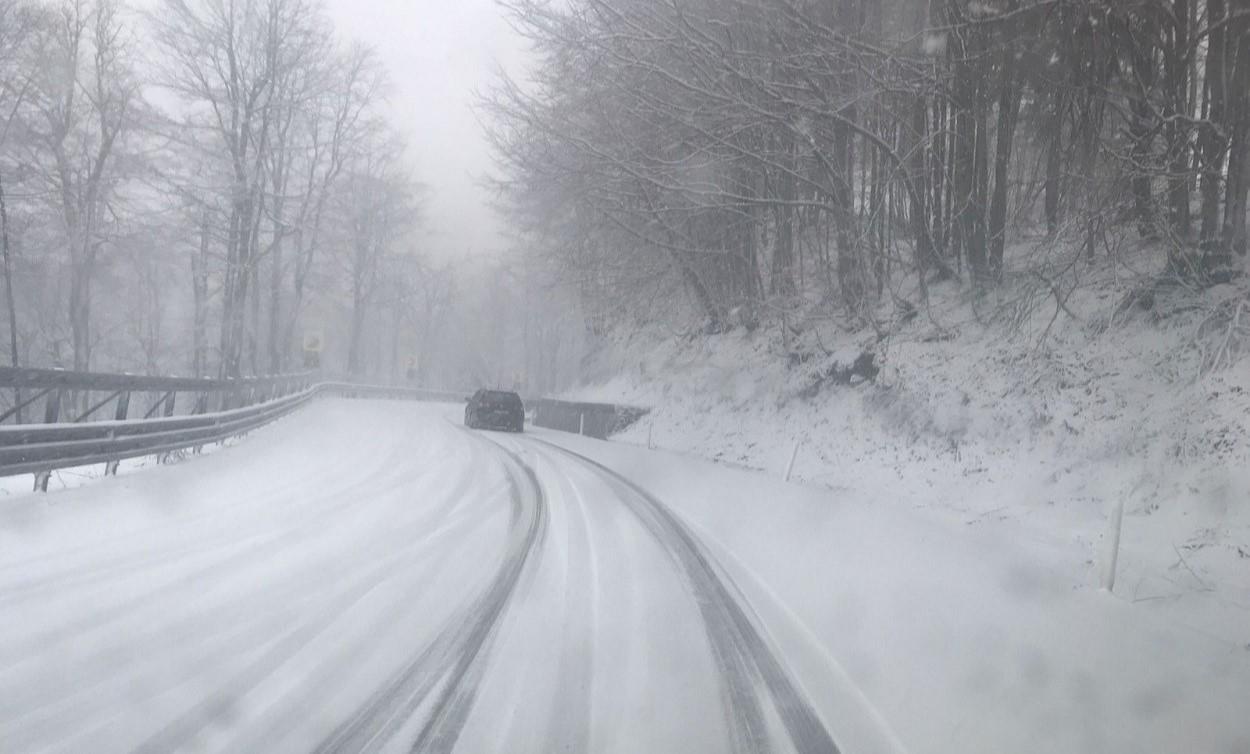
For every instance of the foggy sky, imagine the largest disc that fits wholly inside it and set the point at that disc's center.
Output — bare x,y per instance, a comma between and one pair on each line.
437,53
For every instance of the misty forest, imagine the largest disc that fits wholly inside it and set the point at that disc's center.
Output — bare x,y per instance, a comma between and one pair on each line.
188,185
761,160
192,187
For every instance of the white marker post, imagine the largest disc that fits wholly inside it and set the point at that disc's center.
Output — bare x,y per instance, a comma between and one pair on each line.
794,453
1111,554
581,422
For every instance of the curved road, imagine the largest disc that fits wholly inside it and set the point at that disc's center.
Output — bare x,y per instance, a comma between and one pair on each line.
372,577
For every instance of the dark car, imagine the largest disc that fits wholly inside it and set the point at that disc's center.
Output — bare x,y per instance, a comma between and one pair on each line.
495,409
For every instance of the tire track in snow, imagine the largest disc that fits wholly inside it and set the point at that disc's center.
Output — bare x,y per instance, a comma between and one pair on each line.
538,688
180,731
217,633
454,662
569,727
742,654
75,576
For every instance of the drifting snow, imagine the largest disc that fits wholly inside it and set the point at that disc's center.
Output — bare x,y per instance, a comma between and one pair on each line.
321,583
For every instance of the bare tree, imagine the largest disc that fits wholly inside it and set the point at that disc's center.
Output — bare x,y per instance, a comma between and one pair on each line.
16,24
378,206
227,61
331,130
83,105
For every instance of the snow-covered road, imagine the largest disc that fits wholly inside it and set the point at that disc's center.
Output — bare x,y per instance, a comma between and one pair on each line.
372,577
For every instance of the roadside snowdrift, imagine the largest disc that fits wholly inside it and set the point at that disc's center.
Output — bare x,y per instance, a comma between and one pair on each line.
1030,415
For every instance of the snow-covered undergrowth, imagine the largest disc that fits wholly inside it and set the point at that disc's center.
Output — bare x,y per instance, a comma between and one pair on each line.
1031,412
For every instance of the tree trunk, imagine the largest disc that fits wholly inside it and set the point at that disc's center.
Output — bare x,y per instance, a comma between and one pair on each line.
1238,187
1176,70
970,154
1054,159
782,277
844,214
917,143
357,328
8,291
938,174
199,290
277,353
1212,140
1008,114
238,274
80,308
253,323
1141,127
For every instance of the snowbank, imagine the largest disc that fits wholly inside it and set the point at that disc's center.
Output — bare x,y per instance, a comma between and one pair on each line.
1030,415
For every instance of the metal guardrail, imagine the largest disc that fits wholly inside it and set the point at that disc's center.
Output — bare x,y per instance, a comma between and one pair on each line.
81,396
78,429
94,417
42,448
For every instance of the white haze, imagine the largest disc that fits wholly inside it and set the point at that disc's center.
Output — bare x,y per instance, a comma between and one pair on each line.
439,54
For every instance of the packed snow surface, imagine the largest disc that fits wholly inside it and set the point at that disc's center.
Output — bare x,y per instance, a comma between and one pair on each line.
369,576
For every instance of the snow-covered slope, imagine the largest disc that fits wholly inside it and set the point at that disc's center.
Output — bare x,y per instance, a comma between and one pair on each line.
1028,415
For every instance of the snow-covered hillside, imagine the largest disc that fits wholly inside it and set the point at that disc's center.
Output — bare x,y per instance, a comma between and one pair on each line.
1031,415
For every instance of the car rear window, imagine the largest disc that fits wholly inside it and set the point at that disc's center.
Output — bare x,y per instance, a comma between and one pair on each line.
501,399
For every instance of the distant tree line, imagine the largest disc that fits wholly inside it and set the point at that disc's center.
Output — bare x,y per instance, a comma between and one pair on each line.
741,153
187,187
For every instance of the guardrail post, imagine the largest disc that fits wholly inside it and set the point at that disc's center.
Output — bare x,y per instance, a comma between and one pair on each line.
200,407
51,415
52,409
169,403
123,408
